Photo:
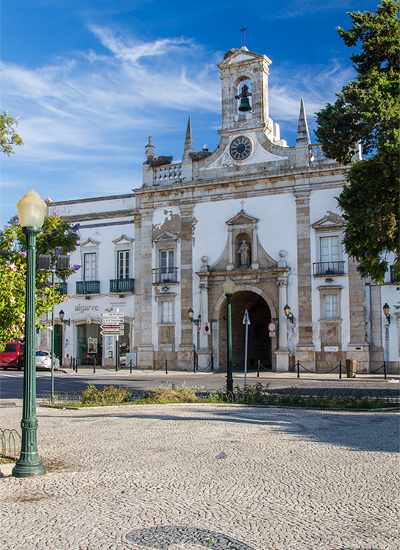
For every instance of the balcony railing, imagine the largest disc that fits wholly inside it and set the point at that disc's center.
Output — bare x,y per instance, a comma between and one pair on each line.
165,275
328,268
122,285
88,287
61,288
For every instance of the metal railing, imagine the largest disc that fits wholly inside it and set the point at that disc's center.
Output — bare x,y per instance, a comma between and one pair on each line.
165,275
61,288
10,441
122,285
329,268
88,287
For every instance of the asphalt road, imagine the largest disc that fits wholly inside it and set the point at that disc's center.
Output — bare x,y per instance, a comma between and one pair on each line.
11,382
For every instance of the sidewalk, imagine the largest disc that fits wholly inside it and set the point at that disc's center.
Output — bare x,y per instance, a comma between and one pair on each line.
269,375
187,477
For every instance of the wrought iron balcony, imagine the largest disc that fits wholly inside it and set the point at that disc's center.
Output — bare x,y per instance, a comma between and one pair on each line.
122,285
325,269
61,288
165,275
88,287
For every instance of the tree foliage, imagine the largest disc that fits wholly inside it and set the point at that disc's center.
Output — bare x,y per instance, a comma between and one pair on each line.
367,111
56,237
8,134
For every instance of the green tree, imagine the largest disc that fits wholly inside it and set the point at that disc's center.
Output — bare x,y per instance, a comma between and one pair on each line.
8,134
56,237
367,112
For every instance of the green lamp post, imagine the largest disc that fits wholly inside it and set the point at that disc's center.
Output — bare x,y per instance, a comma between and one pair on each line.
228,288
31,211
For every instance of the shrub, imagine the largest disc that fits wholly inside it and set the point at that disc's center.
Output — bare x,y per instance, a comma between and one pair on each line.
109,395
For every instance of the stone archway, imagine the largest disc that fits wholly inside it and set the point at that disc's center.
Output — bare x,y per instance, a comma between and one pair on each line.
260,346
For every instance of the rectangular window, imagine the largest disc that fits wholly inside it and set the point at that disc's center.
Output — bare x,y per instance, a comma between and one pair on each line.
166,312
330,307
90,267
329,249
123,264
166,261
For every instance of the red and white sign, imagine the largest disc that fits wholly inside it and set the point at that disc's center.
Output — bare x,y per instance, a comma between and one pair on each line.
272,327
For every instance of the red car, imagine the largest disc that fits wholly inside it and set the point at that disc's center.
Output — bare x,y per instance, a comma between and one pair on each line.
12,356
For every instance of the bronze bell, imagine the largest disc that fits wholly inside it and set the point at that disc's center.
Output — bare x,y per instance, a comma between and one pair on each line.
244,104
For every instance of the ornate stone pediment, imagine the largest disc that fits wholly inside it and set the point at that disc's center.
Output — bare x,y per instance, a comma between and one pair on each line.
90,242
329,222
123,240
242,218
166,236
237,56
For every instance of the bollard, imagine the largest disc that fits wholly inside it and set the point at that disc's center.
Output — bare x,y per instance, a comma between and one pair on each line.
340,370
166,367
258,369
351,368
298,369
384,370
94,365
130,366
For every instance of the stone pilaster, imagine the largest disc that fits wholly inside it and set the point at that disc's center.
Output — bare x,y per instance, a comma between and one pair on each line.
204,353
143,289
376,350
282,354
305,350
186,347
358,347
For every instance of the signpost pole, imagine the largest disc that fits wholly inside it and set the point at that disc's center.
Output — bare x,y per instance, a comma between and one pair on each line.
246,321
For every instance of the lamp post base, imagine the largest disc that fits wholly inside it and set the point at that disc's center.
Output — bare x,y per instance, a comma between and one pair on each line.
28,467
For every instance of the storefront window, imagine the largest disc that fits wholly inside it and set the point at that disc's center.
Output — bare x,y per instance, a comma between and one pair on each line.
89,344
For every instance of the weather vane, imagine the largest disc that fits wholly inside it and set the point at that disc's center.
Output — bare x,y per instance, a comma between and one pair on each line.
243,30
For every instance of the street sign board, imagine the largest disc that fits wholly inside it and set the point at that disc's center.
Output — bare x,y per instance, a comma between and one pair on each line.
111,332
111,315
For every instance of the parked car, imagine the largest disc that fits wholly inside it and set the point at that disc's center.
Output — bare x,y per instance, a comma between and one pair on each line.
43,360
12,356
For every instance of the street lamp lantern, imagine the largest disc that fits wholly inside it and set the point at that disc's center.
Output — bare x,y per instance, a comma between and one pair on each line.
61,315
190,313
31,211
228,289
386,311
289,315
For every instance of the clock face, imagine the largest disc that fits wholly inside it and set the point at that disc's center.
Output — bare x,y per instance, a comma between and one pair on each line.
241,148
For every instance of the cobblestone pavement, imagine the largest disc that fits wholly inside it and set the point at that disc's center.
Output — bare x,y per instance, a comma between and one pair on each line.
187,477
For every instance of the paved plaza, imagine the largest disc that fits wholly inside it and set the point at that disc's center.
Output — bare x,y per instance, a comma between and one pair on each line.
187,477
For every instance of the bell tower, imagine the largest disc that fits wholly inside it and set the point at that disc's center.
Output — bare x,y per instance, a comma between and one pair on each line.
245,104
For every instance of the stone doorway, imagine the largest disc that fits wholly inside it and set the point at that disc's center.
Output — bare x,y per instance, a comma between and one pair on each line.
259,342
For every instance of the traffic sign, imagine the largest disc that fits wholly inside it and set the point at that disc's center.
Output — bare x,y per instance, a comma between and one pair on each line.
112,320
111,326
111,314
112,332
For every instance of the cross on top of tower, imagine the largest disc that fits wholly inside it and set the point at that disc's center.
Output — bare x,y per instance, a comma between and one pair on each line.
243,30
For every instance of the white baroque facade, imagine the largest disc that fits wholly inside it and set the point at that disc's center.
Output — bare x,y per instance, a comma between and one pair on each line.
254,210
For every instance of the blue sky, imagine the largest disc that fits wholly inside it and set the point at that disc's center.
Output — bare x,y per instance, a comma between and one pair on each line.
92,79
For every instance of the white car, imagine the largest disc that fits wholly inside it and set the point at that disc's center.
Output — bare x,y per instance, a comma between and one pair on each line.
43,360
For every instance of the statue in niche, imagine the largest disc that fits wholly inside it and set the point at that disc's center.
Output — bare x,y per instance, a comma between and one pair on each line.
244,251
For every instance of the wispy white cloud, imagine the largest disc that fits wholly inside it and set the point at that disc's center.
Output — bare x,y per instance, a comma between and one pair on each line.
86,117
73,107
317,84
297,8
